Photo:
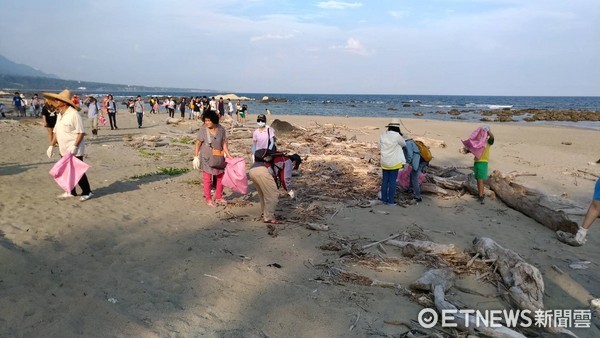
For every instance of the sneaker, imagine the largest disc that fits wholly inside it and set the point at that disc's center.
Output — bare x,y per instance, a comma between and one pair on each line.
65,195
418,199
86,197
211,204
481,199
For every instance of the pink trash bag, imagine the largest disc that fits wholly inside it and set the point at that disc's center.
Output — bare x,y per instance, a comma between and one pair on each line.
404,177
102,120
477,142
68,171
235,177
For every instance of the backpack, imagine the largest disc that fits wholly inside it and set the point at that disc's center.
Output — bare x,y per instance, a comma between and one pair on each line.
424,151
277,164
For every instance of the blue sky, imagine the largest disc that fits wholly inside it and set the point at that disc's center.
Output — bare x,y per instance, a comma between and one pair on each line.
453,47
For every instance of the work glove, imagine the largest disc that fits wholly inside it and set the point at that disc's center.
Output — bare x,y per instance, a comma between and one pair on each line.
487,128
252,159
580,235
292,194
196,162
50,151
73,149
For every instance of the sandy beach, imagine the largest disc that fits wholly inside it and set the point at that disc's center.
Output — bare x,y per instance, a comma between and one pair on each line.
145,257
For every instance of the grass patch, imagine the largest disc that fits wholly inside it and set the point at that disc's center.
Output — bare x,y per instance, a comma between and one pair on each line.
172,171
135,177
163,171
145,153
184,140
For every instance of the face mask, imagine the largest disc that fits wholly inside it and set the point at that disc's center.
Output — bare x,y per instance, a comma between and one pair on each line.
261,124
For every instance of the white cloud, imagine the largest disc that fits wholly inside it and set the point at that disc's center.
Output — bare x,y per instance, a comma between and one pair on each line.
354,46
397,14
271,37
338,5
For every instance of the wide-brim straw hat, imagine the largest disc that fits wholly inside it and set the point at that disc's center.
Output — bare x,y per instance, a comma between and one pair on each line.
64,96
395,122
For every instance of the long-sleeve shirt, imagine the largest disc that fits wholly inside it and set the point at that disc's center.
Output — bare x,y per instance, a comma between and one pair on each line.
390,145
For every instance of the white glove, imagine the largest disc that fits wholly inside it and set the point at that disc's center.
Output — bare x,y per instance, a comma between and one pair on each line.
50,151
196,162
292,194
73,149
487,128
580,235
252,159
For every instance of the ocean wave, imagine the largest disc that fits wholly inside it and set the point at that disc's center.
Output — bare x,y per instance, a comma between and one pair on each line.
487,106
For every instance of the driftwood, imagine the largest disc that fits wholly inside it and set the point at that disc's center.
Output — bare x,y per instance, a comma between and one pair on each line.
434,189
443,277
528,202
430,142
172,120
317,227
378,242
438,281
550,211
425,246
523,280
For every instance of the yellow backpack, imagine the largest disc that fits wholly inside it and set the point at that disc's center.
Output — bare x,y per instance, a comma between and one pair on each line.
424,151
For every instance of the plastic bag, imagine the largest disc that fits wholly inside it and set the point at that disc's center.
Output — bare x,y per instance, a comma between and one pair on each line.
477,142
68,171
404,177
235,177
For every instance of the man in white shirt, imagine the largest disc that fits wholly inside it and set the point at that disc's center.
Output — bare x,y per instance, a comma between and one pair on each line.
69,133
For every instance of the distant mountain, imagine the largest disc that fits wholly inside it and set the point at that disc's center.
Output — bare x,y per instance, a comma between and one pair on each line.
23,78
12,83
8,67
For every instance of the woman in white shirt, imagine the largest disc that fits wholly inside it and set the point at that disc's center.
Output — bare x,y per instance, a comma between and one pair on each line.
392,159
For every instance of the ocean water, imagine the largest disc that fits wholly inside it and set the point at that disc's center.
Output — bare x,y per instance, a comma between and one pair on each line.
406,106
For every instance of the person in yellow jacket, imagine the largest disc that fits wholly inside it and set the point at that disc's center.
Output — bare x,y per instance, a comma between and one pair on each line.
392,159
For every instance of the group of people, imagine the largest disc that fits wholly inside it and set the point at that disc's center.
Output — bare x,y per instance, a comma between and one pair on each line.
397,152
270,169
197,106
21,104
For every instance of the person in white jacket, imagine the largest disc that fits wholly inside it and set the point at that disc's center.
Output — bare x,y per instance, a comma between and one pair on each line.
392,159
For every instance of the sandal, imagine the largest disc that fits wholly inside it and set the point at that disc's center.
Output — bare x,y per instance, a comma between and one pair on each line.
272,221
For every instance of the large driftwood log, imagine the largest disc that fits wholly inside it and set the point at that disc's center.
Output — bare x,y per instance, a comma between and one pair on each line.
438,281
434,189
528,202
523,280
